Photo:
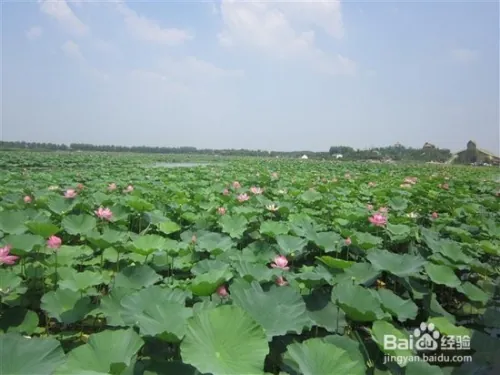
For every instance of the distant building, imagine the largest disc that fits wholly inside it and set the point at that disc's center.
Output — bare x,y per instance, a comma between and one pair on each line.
398,145
304,157
428,145
339,156
473,154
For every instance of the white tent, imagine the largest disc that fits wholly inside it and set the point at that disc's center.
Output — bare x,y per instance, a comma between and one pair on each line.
304,157
339,156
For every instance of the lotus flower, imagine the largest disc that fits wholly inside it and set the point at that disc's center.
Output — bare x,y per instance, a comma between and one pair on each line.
54,242
412,215
225,192
347,175
372,184
27,199
383,210
435,215
411,180
405,186
280,281
272,208
112,186
348,241
280,262
236,185
446,186
69,194
369,207
221,211
274,175
378,220
129,189
222,291
194,239
256,190
243,197
79,187
104,213
5,258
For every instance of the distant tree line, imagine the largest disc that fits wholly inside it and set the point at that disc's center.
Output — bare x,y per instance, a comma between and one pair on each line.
348,153
398,152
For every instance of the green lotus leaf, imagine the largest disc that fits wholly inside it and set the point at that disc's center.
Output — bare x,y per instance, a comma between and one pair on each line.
81,281
315,356
274,228
399,265
20,355
43,229
358,303
79,224
136,277
66,306
157,312
234,225
280,310
107,352
225,341
401,308
442,275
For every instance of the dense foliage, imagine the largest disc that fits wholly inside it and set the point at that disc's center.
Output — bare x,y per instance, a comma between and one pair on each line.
110,266
348,153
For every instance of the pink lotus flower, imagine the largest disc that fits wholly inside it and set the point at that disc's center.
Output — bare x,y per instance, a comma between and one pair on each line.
70,194
236,185
225,192
5,258
369,207
221,211
112,187
348,241
378,220
222,291
129,189
280,281
280,262
54,242
27,199
79,187
446,186
104,213
194,239
256,190
243,197
435,215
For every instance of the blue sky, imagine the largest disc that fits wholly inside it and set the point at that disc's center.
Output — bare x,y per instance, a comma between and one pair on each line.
262,75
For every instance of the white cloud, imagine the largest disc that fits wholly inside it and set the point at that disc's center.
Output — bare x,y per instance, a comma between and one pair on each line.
34,33
273,28
72,51
149,30
465,55
61,11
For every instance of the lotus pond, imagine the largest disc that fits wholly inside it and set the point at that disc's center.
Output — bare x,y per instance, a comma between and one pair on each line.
255,266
